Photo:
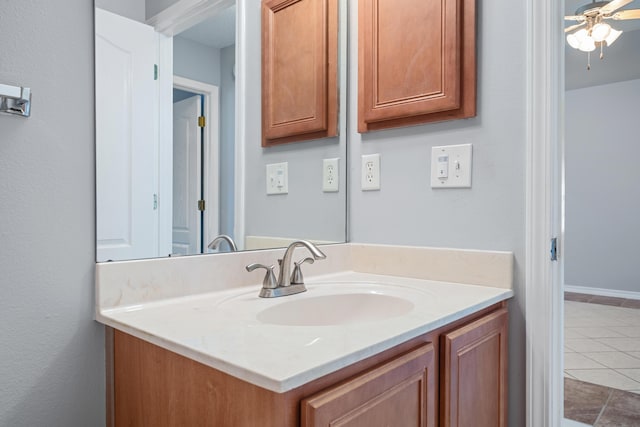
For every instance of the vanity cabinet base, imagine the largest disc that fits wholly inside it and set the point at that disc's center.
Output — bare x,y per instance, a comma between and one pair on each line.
155,387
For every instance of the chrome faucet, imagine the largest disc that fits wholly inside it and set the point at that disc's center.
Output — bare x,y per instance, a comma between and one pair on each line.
215,243
288,283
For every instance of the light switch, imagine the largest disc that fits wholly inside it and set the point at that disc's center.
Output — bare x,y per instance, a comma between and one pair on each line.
278,178
451,166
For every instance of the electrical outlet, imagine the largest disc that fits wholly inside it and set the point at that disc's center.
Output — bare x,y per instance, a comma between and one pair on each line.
330,175
370,172
278,178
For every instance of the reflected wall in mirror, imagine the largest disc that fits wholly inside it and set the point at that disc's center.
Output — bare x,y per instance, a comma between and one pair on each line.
165,184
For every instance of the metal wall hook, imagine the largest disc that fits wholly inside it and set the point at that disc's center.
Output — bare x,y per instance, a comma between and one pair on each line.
15,100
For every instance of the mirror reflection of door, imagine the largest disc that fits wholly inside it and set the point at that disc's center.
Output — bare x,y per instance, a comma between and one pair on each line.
187,176
126,96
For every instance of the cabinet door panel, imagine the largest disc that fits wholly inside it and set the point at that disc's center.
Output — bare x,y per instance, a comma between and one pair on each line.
474,389
399,393
299,70
416,62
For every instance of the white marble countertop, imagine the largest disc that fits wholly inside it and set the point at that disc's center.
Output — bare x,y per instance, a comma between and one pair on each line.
221,329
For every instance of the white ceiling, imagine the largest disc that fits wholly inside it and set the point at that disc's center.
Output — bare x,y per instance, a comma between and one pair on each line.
621,61
219,31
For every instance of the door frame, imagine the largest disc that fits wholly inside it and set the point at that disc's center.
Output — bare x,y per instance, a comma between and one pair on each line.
211,153
544,213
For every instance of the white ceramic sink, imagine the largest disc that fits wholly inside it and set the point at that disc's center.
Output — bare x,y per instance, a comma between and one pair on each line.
338,309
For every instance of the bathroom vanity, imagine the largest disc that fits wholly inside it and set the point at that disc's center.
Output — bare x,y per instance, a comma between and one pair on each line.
364,346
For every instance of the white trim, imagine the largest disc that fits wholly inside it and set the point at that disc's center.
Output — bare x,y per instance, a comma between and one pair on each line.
185,14
241,120
543,278
211,151
602,292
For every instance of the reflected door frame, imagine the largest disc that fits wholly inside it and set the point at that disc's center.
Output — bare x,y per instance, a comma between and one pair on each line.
182,15
210,154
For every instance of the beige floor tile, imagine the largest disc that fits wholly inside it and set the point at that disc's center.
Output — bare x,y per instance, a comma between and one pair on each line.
598,332
622,344
614,359
605,377
627,331
571,423
583,345
571,333
578,361
634,374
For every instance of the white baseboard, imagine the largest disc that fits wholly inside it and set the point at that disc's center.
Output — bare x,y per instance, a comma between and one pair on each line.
602,292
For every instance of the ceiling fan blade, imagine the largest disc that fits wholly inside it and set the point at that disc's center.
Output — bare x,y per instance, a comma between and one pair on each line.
614,5
574,18
627,14
573,27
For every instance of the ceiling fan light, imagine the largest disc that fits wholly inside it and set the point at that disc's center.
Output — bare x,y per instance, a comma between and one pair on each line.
587,45
573,41
600,31
613,36
581,35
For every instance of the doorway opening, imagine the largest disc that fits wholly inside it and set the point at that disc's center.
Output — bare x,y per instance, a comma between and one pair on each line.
196,165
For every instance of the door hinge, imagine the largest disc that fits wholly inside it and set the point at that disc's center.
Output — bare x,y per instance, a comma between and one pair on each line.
155,71
155,202
553,253
200,205
201,121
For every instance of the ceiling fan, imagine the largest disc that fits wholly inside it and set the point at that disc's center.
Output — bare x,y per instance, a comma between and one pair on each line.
591,29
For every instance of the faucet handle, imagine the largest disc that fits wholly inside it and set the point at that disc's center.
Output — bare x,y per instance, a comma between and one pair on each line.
269,281
296,276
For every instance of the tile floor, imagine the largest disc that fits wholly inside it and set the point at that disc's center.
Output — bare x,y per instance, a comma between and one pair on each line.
602,361
602,345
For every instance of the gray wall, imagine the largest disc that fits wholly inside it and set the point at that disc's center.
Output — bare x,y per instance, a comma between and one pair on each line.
132,9
306,211
602,187
491,214
52,351
196,61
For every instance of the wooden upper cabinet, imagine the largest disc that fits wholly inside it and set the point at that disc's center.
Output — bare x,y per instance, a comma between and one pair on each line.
299,70
416,62
473,388
401,392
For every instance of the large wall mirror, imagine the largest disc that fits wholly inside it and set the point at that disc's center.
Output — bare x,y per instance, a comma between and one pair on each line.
168,182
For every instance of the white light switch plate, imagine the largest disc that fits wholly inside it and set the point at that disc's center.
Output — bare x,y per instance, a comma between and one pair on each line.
457,169
278,178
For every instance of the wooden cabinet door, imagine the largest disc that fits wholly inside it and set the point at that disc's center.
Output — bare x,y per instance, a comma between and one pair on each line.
416,62
400,392
299,70
473,390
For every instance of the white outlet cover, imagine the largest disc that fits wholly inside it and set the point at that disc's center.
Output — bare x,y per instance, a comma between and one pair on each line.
370,168
278,178
459,167
330,175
